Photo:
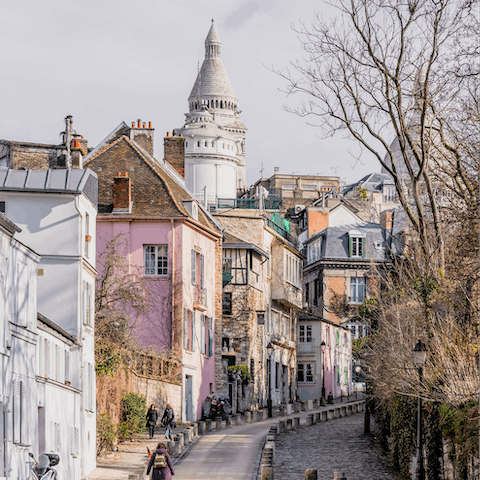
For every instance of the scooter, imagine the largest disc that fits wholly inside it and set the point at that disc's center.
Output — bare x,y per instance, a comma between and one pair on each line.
42,466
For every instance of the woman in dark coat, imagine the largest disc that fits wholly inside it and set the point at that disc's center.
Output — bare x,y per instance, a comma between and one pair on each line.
165,473
152,417
168,420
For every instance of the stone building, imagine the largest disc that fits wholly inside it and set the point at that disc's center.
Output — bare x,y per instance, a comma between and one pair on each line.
261,296
292,192
214,134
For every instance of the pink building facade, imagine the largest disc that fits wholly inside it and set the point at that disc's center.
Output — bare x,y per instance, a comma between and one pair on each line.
175,245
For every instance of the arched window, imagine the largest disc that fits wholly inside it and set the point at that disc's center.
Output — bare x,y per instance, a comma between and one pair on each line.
206,144
221,103
198,144
216,101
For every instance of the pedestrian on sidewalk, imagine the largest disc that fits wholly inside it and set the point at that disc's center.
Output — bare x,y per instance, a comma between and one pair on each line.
168,421
163,473
152,417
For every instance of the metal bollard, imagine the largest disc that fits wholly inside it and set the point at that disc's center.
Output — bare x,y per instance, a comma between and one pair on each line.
331,414
248,417
195,429
219,423
202,427
310,474
318,417
238,418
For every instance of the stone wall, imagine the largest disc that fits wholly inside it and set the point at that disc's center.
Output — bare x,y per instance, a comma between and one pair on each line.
110,391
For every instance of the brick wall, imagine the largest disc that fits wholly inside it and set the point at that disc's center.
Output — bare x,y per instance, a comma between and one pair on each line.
174,153
334,285
122,192
37,158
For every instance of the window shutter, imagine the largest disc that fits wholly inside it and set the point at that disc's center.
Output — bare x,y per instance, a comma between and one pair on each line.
363,241
22,294
194,330
194,267
210,336
67,366
350,246
202,277
58,442
23,413
89,303
57,363
41,362
202,334
47,358
185,328
76,442
85,302
16,411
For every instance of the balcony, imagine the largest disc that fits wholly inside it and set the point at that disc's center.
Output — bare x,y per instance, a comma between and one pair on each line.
304,348
199,298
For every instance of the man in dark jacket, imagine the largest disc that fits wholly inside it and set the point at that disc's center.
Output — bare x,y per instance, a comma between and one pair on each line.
152,417
165,473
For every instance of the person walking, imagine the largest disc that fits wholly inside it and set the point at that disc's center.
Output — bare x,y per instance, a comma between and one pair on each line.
164,472
168,421
152,417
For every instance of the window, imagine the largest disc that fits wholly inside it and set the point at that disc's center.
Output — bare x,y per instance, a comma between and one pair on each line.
277,375
289,186
307,294
210,336
345,375
198,144
193,333
88,304
353,330
155,260
203,335
292,269
327,336
356,244
306,372
3,206
87,234
316,292
186,144
197,266
19,412
357,289
206,144
227,303
314,250
305,333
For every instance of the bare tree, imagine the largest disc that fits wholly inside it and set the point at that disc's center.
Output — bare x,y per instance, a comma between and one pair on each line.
383,70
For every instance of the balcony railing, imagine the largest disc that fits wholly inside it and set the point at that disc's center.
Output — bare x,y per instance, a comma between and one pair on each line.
200,298
305,347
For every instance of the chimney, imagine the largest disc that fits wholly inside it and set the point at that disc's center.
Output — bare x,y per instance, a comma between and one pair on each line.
122,194
386,219
142,135
317,220
174,152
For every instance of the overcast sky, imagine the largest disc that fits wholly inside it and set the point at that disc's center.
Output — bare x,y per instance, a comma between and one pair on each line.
104,61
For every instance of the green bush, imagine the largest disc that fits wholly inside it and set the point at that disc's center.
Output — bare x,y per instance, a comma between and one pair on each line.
242,370
105,433
107,359
133,415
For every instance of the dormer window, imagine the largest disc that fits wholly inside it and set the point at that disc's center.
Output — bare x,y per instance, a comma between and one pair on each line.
356,240
192,208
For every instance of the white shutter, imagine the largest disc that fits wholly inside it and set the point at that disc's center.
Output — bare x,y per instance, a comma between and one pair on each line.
23,413
47,358
85,302
91,305
41,356
194,267
193,331
75,437
67,366
22,294
16,411
57,363
58,439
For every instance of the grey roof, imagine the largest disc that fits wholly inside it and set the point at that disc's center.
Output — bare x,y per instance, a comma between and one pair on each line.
6,223
42,319
372,182
51,181
335,245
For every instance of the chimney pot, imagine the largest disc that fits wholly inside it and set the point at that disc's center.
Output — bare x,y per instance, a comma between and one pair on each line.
119,174
125,174
149,124
139,122
144,125
133,124
83,138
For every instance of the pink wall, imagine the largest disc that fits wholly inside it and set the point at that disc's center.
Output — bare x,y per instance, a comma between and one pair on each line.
155,328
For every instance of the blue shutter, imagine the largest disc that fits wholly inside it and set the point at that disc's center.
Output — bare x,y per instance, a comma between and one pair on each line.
194,267
210,336
202,334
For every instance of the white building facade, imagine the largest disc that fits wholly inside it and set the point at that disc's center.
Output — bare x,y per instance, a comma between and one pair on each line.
18,338
56,211
214,133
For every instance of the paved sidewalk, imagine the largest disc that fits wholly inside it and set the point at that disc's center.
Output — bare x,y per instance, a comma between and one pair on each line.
213,455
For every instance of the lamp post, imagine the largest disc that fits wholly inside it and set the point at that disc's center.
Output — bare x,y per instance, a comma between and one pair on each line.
269,400
323,345
420,357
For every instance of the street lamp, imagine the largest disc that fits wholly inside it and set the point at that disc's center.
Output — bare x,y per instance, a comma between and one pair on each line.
420,357
269,400
323,345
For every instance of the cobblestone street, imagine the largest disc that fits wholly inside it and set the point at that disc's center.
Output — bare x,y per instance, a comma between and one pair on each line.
334,446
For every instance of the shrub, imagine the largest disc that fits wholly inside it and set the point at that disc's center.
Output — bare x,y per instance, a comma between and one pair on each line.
105,433
242,370
133,415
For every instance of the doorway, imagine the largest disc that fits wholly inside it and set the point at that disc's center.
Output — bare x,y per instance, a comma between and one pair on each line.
284,384
189,398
